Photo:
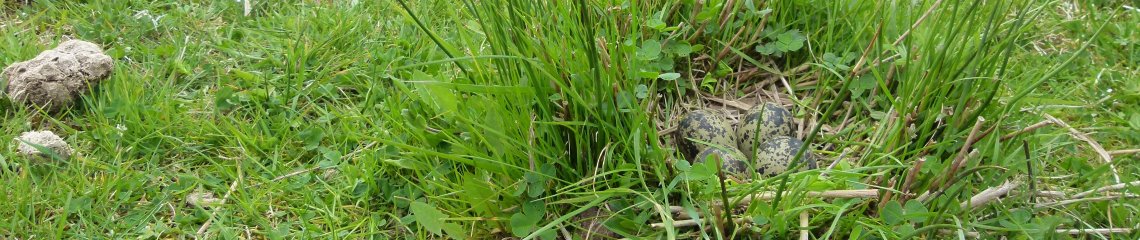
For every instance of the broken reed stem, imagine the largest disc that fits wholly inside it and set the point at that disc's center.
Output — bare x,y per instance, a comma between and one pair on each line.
804,234
989,195
887,194
1051,194
1113,187
910,178
1027,129
867,50
1124,152
1095,231
1080,200
961,158
973,234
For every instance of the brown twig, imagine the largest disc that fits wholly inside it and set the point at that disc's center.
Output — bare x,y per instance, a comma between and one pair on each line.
910,178
866,51
728,46
887,194
961,158
935,192
877,63
667,131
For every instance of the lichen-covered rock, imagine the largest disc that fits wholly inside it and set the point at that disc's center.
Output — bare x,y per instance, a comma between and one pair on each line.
55,78
763,122
46,139
732,162
774,155
703,126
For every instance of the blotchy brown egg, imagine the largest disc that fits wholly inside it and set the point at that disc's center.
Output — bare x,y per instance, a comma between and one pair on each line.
732,160
773,156
703,126
762,123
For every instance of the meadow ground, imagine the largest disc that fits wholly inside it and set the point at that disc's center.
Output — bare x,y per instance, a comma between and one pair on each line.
510,119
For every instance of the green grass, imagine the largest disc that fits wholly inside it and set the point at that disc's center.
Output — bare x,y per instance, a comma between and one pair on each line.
502,118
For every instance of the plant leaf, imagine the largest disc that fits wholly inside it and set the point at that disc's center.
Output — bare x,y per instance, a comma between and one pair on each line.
791,40
916,212
641,91
681,48
520,226
766,49
861,84
454,231
650,50
435,92
1135,121
428,216
312,137
892,213
655,23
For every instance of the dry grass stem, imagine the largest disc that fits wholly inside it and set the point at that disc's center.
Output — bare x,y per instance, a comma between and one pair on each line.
989,195
1092,143
1113,187
1027,129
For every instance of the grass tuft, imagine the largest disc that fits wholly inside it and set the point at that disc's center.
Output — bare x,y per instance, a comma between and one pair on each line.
517,119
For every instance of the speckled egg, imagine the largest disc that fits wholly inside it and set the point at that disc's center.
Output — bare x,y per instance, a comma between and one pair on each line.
774,155
704,126
732,161
763,122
